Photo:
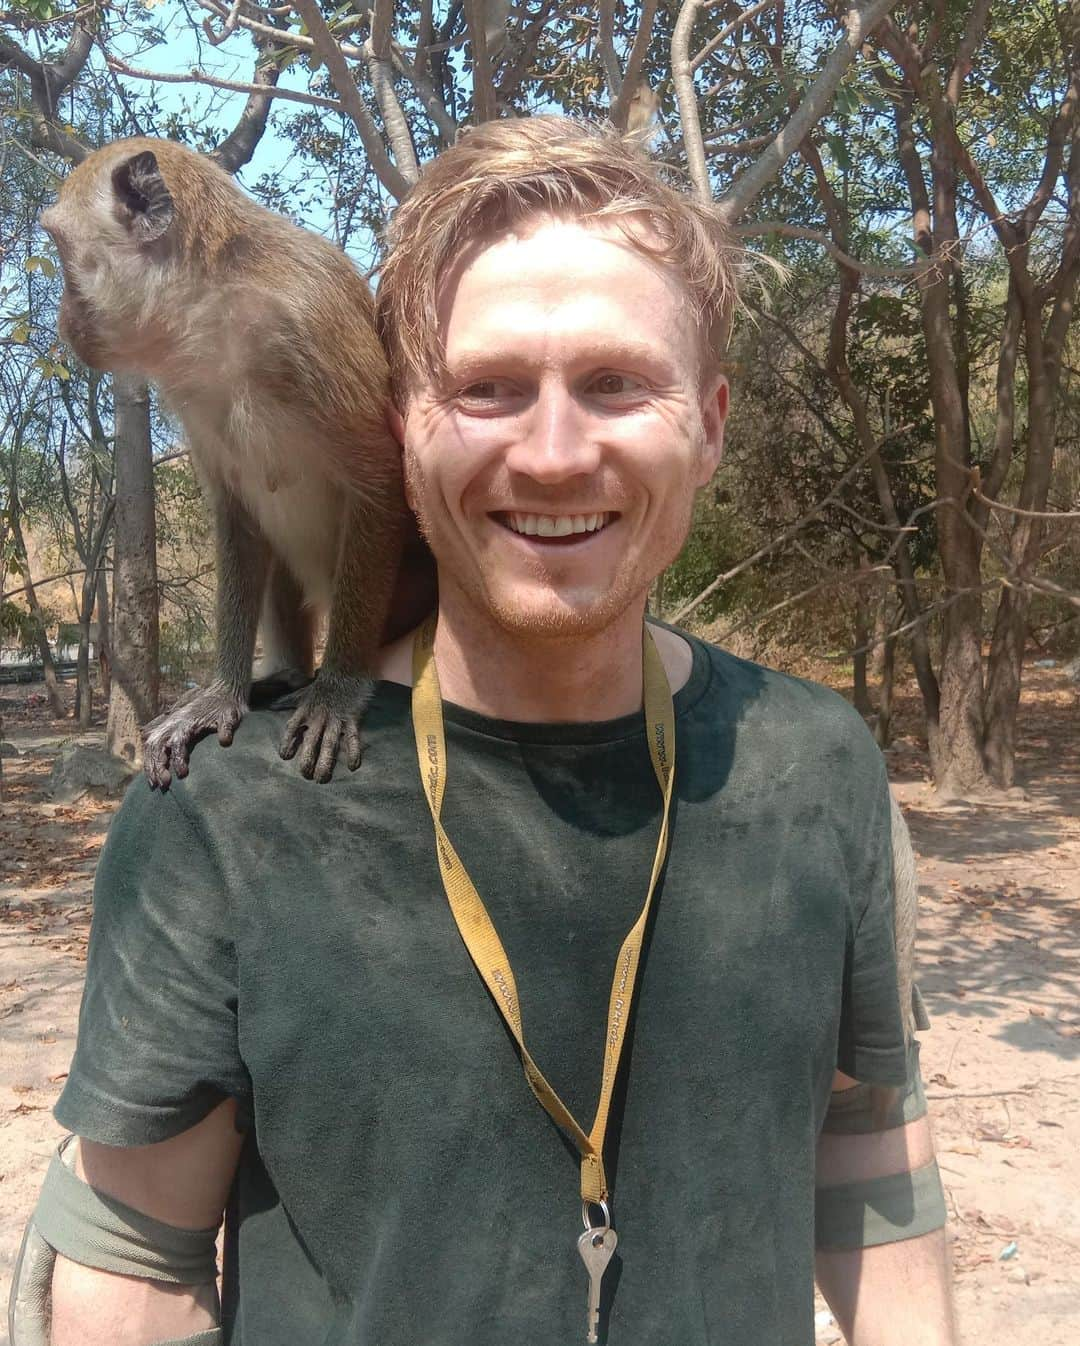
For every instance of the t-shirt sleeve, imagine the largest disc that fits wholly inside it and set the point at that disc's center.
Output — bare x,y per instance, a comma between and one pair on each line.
157,1046
871,1045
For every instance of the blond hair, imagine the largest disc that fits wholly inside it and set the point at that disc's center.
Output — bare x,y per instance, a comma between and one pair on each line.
504,173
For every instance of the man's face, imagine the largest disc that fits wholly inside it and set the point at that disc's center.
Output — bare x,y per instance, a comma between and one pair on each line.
554,470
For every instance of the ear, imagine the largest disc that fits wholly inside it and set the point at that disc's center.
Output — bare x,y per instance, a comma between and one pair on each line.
714,410
396,421
142,199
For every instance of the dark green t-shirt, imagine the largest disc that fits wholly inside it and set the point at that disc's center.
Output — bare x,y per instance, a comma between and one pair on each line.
289,944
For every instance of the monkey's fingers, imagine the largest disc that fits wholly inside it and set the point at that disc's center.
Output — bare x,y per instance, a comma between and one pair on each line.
180,751
156,769
328,749
319,752
353,753
156,762
227,727
293,735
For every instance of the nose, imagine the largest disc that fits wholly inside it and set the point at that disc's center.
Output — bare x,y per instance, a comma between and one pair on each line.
555,443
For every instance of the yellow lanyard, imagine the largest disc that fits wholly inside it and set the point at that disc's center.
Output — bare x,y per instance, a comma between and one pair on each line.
474,923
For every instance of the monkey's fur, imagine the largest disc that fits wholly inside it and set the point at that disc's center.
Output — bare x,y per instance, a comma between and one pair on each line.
259,335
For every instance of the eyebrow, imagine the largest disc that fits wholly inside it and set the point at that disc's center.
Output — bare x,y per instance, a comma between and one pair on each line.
614,351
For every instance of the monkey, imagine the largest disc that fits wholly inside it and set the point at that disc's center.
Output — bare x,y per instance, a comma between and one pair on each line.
641,112
259,335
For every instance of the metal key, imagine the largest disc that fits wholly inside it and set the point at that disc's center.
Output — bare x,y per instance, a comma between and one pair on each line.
596,1247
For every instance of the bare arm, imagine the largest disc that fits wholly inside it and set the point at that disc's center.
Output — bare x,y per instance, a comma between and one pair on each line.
185,1182
895,1294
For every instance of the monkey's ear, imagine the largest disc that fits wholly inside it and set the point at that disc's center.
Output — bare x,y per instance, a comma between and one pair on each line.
142,198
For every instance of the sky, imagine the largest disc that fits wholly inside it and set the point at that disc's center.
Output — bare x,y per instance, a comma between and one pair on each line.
186,47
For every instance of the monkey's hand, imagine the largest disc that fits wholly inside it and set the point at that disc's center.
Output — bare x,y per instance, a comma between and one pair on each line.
168,740
328,716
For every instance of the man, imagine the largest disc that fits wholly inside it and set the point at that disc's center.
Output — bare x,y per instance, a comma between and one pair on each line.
283,1010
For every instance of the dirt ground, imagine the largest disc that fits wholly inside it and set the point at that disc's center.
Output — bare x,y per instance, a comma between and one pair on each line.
998,955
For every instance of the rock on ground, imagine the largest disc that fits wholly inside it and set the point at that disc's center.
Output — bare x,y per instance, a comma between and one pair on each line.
82,769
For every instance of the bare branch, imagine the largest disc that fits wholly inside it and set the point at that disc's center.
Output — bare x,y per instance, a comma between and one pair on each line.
974,30
416,72
1055,150
282,37
425,91
392,176
822,586
26,22
239,145
605,42
786,230
682,77
232,86
1055,514
788,532
718,39
483,86
380,66
425,36
527,43
49,80
214,37
749,186
620,112
40,584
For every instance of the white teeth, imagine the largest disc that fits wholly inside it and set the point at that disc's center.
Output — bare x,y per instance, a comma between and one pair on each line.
555,525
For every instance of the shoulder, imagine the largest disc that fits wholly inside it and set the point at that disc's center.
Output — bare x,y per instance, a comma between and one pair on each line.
220,780
778,726
792,706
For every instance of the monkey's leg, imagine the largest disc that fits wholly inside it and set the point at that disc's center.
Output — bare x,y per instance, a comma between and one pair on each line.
286,632
332,709
242,562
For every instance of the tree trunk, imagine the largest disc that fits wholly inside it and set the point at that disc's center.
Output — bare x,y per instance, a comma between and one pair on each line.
956,756
861,693
84,700
883,728
902,562
1003,684
1043,353
134,698
882,618
48,664
104,649
959,768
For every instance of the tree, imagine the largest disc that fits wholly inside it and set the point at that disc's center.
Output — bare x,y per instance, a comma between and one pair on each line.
922,379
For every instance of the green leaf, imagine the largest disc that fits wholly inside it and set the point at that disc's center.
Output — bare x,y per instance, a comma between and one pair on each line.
42,264
839,150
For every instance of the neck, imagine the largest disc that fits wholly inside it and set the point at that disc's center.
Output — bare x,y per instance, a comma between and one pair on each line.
513,676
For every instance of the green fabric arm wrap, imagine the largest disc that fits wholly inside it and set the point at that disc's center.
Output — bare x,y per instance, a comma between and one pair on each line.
879,1210
88,1227
868,1107
212,1337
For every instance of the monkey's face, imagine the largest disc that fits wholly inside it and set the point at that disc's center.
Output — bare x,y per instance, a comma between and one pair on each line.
110,216
554,470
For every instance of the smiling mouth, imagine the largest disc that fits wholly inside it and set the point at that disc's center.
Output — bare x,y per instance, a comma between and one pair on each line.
555,527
